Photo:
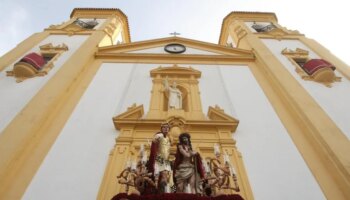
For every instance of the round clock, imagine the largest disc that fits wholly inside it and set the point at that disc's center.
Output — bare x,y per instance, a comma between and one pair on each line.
175,48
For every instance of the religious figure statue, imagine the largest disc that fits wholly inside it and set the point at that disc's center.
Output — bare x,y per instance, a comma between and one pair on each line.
188,168
175,95
159,164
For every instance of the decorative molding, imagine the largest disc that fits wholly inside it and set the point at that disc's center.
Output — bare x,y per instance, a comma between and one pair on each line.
175,70
274,31
49,48
73,29
218,114
295,53
176,121
55,26
110,28
240,33
133,113
24,70
141,45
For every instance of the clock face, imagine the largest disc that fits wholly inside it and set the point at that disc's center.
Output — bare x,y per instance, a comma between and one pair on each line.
175,48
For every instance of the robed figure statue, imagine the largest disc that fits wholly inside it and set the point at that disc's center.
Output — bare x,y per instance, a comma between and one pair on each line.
175,95
188,168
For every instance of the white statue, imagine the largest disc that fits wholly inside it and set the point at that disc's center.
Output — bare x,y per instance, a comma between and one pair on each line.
175,96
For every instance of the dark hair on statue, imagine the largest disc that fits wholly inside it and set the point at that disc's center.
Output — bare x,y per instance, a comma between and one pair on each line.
185,135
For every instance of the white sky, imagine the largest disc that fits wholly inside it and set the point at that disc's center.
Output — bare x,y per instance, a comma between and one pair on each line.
324,21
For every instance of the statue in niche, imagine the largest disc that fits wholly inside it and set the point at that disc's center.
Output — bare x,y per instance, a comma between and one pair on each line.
175,95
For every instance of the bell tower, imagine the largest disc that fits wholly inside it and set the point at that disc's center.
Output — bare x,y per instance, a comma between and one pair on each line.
303,74
49,63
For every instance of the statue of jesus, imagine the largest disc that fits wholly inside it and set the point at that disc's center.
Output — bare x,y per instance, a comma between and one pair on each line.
175,95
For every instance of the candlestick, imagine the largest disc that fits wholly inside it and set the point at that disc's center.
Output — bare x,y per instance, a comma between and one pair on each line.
144,158
226,158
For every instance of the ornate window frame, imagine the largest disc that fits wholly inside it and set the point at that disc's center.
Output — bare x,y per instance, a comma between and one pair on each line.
298,56
22,71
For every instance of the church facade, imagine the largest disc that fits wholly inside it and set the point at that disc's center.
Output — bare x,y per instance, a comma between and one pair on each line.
79,101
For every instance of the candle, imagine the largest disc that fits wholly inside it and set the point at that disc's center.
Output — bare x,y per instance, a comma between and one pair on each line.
133,165
142,148
232,170
206,167
144,158
128,163
216,149
226,158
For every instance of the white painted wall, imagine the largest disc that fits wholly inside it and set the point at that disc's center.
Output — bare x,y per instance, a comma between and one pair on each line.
160,50
334,100
275,168
74,167
14,96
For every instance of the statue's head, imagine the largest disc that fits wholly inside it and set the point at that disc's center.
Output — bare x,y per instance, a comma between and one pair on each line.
165,127
185,138
174,84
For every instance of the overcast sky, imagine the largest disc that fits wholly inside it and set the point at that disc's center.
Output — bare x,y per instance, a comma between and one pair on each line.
324,21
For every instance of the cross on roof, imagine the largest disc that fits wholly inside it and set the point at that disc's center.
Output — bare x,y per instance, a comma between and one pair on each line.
175,33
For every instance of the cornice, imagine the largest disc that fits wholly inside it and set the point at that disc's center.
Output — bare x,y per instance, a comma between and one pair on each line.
164,58
101,12
175,70
163,41
119,123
